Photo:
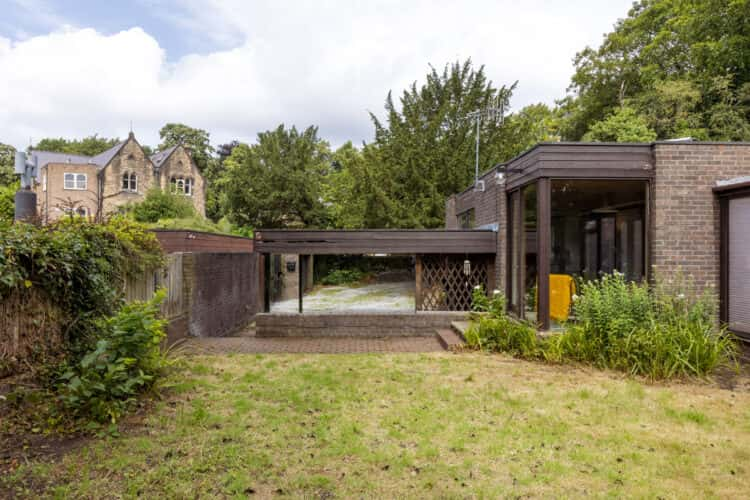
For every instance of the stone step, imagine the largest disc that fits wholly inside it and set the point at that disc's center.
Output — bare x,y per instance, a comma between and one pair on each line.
449,339
460,328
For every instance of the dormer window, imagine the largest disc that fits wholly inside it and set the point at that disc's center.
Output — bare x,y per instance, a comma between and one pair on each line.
130,182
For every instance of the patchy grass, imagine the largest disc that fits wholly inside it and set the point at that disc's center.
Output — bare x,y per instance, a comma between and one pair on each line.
411,425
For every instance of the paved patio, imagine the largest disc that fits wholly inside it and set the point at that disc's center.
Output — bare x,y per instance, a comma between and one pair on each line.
325,345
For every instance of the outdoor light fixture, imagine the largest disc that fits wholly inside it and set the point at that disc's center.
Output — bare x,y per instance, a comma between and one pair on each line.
467,267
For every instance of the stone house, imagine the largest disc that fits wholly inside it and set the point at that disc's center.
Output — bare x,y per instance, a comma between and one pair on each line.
97,185
563,211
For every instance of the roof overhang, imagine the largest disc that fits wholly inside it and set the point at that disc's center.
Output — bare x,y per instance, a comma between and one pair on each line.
377,241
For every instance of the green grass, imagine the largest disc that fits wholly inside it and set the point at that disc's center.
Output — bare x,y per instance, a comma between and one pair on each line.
411,425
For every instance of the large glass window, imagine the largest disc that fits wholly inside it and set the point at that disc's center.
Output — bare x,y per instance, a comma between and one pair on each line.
529,250
598,227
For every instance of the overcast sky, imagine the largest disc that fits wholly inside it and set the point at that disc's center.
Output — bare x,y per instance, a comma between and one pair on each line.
237,67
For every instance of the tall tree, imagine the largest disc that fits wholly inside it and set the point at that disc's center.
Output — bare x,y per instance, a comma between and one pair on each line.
624,125
7,160
681,64
212,173
88,146
425,146
277,182
195,139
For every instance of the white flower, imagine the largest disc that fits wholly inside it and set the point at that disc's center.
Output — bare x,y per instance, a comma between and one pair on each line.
495,292
681,296
478,287
575,297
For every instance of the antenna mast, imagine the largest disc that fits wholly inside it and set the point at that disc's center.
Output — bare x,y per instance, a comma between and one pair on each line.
494,112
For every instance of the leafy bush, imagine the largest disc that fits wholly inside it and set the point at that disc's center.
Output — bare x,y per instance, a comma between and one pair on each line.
663,331
343,277
159,205
7,202
496,331
79,266
124,361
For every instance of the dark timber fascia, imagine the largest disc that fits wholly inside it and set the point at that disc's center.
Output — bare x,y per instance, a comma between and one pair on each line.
385,241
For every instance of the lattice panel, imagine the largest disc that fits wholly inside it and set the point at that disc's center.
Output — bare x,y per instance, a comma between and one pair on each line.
445,287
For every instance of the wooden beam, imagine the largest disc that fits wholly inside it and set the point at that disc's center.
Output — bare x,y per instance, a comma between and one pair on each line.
544,243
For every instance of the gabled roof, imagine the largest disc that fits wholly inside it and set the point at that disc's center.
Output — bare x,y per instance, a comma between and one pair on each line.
102,159
161,156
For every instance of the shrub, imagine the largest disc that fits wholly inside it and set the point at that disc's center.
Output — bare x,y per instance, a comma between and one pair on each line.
160,204
7,202
78,266
663,331
343,277
124,361
496,331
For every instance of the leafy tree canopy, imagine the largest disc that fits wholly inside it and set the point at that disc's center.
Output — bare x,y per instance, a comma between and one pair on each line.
624,125
7,159
277,182
683,65
88,146
197,140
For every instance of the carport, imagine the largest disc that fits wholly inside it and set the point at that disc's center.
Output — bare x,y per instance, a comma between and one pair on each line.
448,263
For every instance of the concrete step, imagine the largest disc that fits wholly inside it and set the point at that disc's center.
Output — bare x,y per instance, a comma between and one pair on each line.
460,327
449,339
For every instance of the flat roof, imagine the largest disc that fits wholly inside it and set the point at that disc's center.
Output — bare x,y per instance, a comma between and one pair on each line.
372,241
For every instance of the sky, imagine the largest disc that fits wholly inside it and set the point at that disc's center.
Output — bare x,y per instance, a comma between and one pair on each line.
238,67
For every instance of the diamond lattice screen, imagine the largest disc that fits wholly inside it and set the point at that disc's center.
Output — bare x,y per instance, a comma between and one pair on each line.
445,287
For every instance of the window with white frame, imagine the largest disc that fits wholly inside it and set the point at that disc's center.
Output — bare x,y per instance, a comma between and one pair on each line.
181,185
130,182
75,181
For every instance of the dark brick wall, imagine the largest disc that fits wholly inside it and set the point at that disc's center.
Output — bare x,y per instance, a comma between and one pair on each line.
222,291
489,208
685,211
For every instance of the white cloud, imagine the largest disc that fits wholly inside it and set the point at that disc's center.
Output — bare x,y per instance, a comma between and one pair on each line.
324,63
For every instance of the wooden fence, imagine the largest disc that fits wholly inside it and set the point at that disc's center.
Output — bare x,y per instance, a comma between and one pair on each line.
170,277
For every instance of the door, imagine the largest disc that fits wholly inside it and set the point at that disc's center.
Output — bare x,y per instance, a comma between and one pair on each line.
738,276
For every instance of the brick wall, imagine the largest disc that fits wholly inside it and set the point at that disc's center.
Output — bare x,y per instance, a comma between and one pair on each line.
685,212
489,208
222,291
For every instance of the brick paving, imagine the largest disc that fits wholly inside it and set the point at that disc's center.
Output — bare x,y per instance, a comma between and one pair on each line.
249,344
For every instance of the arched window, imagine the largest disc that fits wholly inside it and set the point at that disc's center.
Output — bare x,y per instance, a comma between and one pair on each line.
172,185
130,182
189,186
181,185
82,211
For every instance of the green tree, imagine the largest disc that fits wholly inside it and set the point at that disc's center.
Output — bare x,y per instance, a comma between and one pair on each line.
158,205
624,125
7,202
682,64
277,182
88,146
7,160
425,146
195,139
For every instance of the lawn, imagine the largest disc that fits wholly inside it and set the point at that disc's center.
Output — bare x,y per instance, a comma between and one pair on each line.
411,425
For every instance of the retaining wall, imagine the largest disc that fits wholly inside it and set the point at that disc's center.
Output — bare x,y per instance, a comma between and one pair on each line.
354,324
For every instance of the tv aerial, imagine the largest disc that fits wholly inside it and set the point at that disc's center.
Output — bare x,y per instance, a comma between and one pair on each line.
493,112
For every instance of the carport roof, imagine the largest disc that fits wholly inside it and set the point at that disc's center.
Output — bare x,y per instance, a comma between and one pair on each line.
375,241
